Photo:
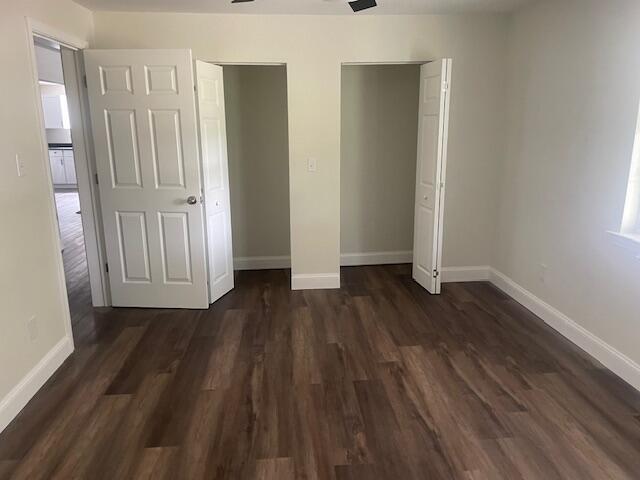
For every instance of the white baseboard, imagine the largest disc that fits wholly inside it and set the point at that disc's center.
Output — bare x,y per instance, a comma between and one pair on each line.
611,358
315,281
465,274
261,263
19,396
375,258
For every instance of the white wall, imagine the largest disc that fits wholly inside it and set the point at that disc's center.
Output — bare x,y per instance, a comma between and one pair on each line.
49,64
29,258
257,141
378,157
574,87
314,47
55,135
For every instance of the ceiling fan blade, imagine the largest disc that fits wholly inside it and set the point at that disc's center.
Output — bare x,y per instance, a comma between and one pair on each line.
359,5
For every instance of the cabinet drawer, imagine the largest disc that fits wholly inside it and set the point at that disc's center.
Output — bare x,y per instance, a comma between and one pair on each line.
55,153
67,153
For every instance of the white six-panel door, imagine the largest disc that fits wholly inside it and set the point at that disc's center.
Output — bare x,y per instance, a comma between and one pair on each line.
215,166
435,79
144,125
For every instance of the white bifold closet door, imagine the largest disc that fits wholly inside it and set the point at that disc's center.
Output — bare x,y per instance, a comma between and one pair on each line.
435,80
215,166
146,140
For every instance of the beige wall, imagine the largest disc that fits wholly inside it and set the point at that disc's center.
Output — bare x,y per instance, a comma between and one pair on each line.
574,86
29,260
313,48
378,157
256,105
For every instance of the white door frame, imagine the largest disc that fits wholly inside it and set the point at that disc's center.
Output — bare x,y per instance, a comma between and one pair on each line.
84,161
394,257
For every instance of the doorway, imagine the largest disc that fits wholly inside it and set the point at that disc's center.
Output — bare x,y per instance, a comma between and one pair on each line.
163,172
67,156
258,149
394,124
378,163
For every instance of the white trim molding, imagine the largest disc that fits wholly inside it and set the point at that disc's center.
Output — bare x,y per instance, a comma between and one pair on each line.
465,274
40,29
611,358
616,361
376,258
315,281
627,241
19,396
261,263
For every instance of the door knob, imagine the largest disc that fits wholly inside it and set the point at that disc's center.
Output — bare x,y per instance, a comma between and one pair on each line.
192,200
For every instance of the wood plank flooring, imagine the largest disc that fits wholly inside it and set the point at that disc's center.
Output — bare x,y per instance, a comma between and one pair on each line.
74,258
377,380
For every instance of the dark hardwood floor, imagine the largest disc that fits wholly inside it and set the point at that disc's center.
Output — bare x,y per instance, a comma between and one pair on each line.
74,258
378,380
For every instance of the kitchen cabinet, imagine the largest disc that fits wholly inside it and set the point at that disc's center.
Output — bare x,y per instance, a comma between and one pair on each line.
63,168
69,167
52,107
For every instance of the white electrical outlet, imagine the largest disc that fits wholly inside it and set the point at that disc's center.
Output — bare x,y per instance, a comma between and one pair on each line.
542,272
312,165
20,166
32,327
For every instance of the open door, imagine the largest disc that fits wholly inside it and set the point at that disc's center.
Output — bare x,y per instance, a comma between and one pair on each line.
215,166
435,78
144,125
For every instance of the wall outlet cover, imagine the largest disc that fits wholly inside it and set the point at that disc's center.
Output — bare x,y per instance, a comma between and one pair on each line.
542,272
312,165
20,166
32,327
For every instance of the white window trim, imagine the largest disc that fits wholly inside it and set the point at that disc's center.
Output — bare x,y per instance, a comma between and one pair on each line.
629,235
627,241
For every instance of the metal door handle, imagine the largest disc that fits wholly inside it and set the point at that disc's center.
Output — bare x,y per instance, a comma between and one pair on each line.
192,200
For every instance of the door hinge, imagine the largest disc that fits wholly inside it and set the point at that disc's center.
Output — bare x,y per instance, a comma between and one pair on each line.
84,81
436,273
97,181
106,267
445,86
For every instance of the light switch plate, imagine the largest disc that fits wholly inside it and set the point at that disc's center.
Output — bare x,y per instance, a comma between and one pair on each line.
312,165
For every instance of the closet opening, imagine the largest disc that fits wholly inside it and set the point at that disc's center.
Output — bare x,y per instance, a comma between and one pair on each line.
394,135
379,129
258,152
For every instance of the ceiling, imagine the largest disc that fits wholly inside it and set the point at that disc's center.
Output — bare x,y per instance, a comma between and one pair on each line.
313,7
